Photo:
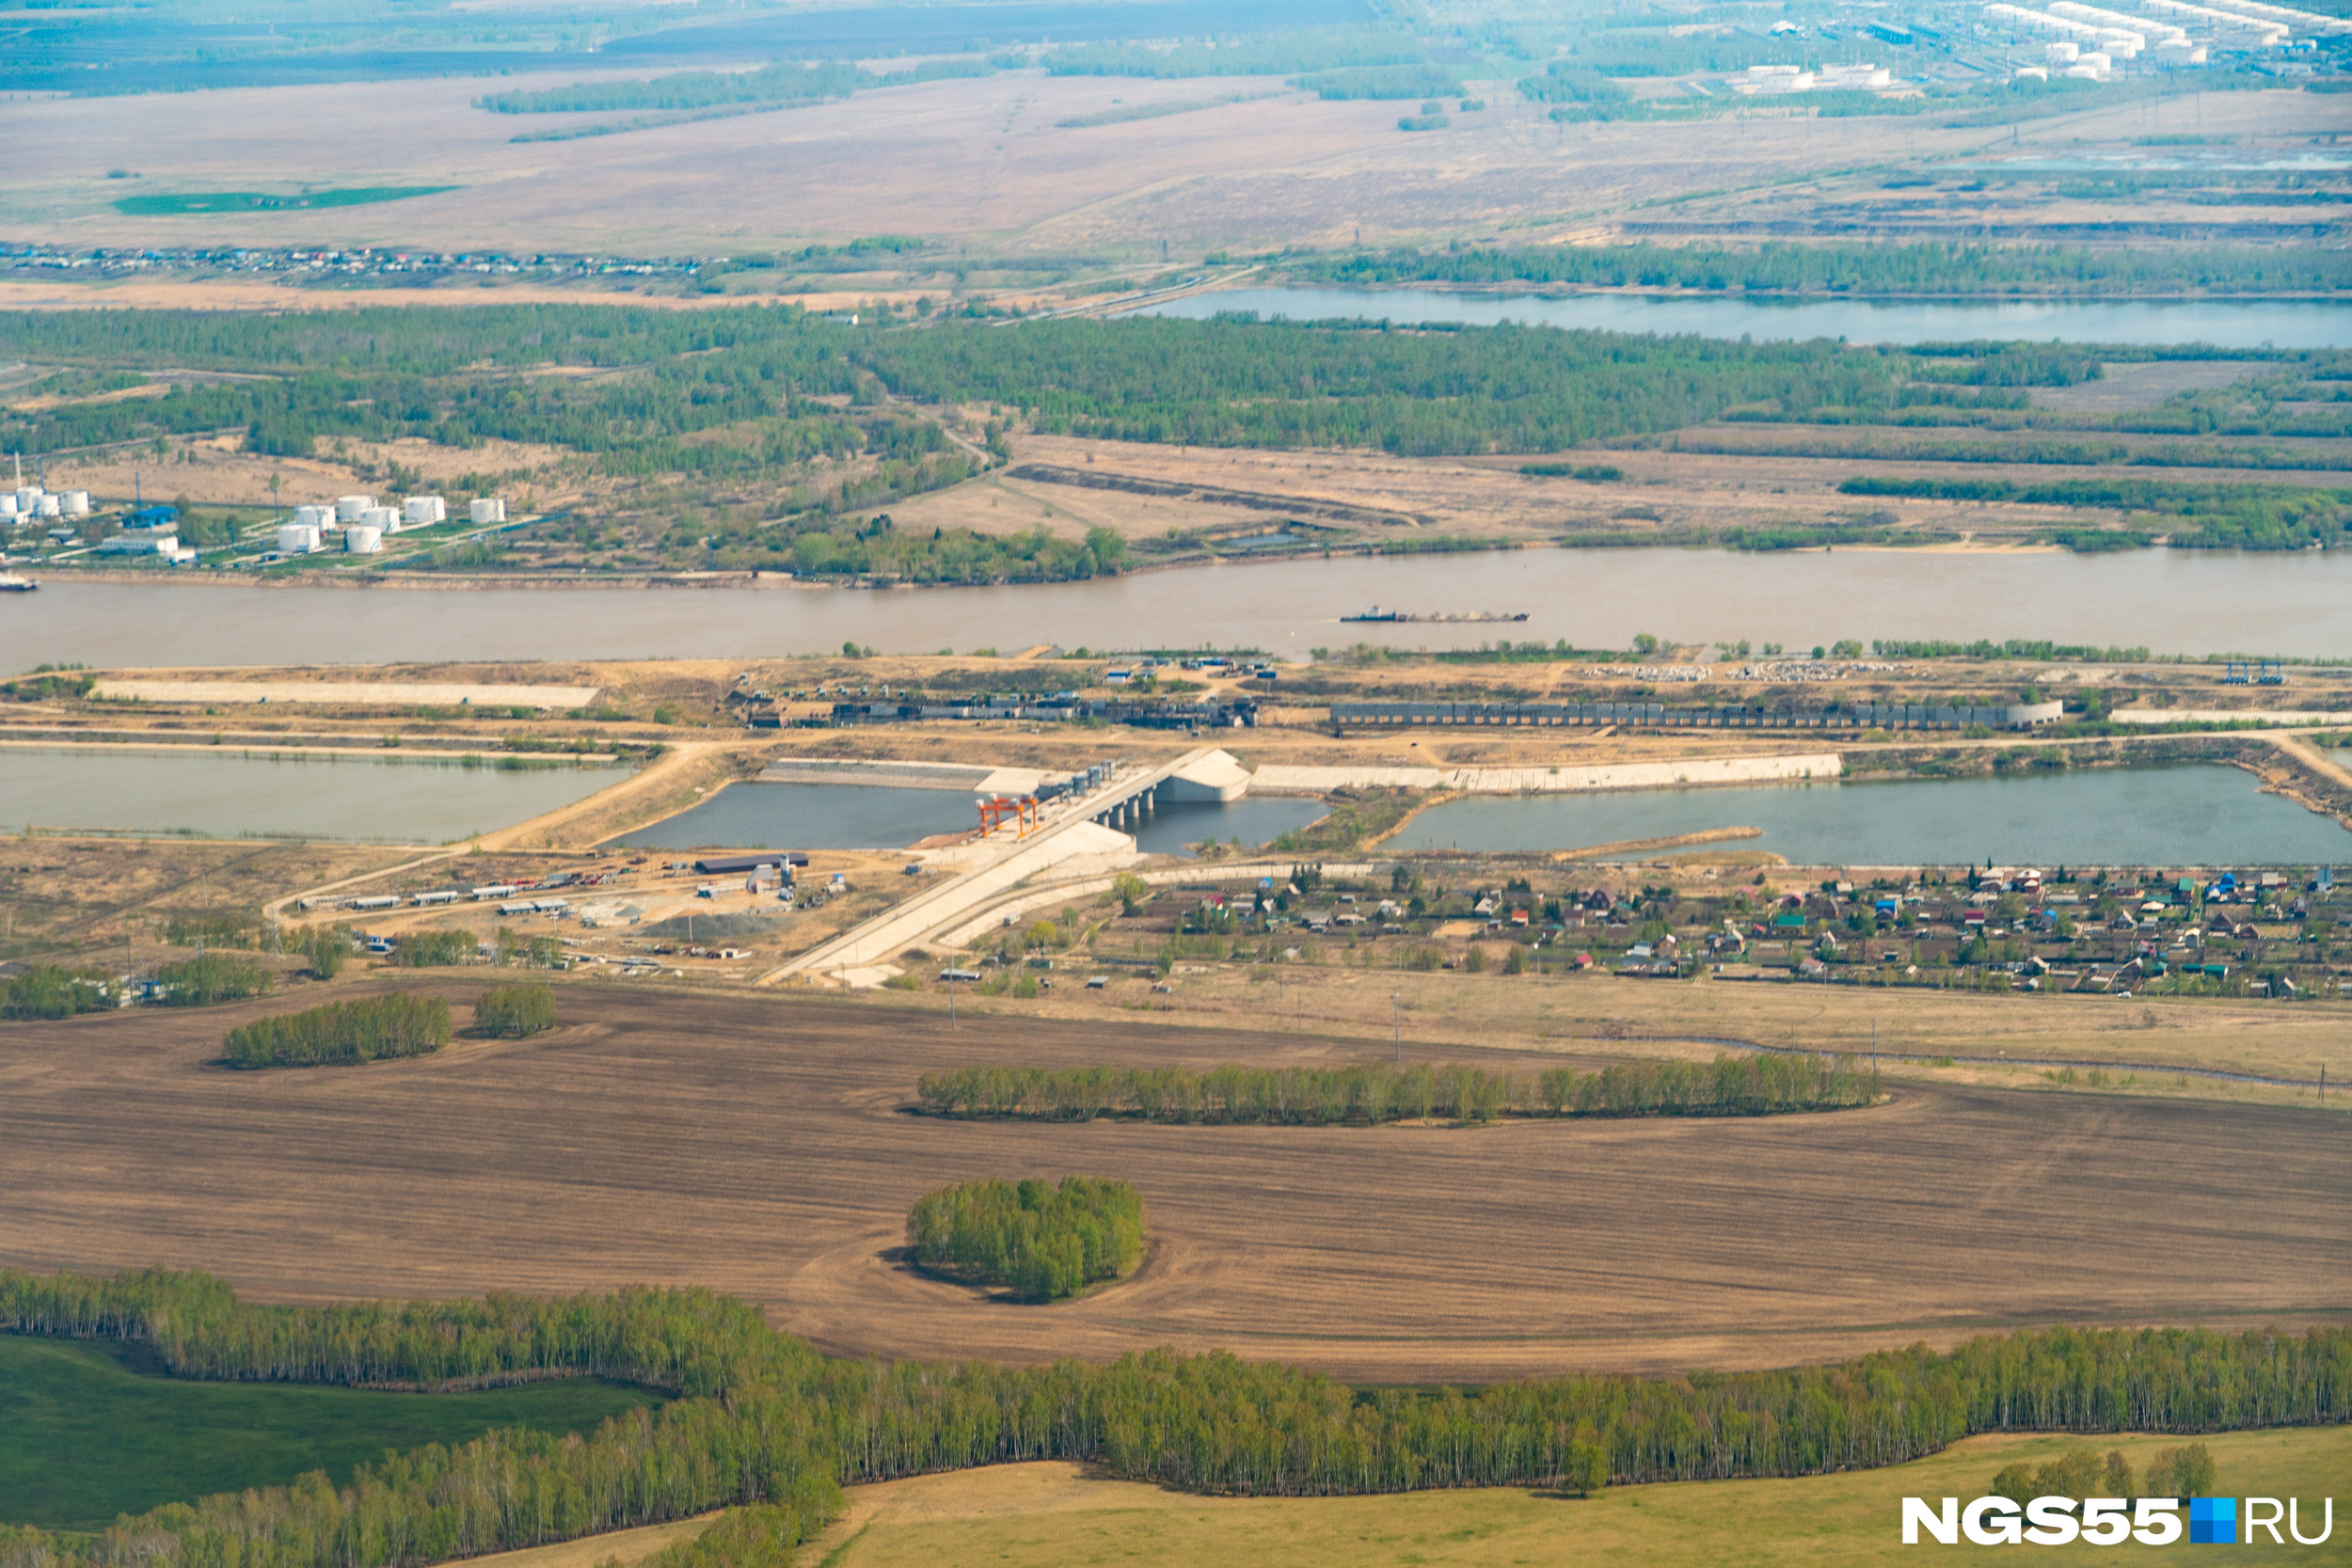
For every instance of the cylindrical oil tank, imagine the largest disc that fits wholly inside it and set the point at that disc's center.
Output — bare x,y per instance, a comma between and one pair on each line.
362,539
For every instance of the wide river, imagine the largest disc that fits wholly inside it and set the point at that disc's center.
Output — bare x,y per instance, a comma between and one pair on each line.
2193,602
2224,324
2202,815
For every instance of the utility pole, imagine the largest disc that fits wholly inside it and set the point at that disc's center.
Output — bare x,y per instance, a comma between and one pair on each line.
1396,1021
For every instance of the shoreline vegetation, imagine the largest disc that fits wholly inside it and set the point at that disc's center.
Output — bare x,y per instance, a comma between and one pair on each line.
1377,1094
774,440
764,1420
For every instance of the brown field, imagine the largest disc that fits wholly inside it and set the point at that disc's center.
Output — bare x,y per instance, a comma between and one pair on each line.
757,1146
982,165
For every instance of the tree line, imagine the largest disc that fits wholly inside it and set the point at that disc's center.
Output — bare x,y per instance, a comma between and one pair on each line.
1042,1241
764,1419
364,1030
2212,517
52,990
1929,267
1763,1084
1283,54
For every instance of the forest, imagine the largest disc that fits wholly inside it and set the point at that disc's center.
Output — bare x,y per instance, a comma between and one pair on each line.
1041,1241
786,84
365,1030
763,1418
1371,1095
1845,266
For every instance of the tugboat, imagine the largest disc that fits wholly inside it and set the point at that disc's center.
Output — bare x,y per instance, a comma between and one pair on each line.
11,583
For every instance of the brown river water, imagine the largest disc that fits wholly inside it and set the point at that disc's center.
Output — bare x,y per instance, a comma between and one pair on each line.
2295,605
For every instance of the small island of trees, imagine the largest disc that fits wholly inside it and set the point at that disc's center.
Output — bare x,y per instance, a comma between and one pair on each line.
1041,1241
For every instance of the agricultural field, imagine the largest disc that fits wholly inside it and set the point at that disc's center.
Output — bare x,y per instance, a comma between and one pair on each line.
96,1430
652,1132
1052,1514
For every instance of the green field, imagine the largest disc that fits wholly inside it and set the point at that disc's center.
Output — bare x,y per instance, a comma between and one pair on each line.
84,1437
173,203
1058,1516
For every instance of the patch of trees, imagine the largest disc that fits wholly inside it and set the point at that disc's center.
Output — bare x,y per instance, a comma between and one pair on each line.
1283,54
2018,365
2183,1472
781,85
1042,1241
1762,1085
52,990
212,978
514,1013
433,949
1237,382
1383,82
2015,647
2213,516
364,1030
764,1420
1783,267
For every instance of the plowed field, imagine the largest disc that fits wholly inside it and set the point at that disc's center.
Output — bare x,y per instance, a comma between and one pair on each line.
759,1146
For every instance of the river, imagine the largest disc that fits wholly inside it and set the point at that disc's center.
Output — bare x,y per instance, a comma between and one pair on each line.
2200,814
241,794
2224,324
2172,601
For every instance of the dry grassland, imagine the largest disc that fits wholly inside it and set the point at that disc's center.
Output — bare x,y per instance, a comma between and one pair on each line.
758,1146
1058,1516
108,900
1489,499
977,162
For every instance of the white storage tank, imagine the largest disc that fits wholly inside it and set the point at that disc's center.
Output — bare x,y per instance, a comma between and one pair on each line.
2061,52
297,538
7,505
362,539
2098,62
488,509
381,518
423,511
49,507
347,508
28,499
315,517
74,503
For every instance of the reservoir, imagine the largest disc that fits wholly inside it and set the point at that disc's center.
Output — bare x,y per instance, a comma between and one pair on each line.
2224,324
1173,829
2295,603
2204,815
245,795
760,815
